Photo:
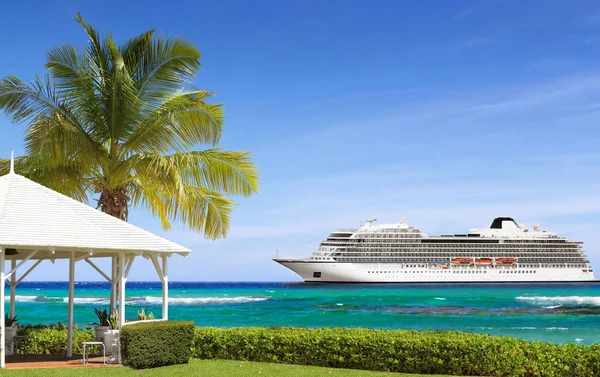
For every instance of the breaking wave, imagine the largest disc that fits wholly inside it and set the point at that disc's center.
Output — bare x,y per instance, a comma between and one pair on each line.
147,300
88,300
561,300
21,298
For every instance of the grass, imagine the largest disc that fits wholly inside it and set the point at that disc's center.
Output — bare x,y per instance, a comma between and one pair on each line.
207,368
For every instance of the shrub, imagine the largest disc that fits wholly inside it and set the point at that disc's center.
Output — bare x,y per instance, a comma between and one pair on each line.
430,352
52,339
155,344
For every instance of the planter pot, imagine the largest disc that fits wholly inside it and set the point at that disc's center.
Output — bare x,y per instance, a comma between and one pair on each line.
10,333
111,342
100,330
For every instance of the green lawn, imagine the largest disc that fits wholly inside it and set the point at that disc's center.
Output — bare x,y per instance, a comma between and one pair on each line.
207,368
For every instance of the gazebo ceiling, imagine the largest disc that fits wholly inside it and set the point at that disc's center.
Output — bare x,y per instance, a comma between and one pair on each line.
33,217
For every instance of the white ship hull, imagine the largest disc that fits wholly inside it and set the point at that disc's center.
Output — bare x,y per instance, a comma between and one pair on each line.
332,272
506,252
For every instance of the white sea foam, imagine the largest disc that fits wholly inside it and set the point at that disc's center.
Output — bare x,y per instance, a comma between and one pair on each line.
525,328
552,307
88,300
561,300
578,340
339,304
557,328
22,298
440,298
150,300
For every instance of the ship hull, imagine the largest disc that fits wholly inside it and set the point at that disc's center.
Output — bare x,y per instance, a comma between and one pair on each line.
335,272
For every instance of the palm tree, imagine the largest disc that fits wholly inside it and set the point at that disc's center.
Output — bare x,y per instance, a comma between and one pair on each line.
121,123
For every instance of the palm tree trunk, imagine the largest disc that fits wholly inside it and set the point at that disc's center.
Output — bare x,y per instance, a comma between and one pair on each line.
114,203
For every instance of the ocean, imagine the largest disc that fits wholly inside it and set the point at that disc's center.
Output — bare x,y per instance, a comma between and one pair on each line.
551,313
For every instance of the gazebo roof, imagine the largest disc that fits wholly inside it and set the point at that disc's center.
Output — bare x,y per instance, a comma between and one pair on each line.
35,217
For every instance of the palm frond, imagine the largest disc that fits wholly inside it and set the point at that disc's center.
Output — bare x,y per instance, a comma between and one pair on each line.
96,52
60,141
121,102
22,101
183,120
64,64
200,209
77,84
25,102
133,50
165,66
230,173
69,179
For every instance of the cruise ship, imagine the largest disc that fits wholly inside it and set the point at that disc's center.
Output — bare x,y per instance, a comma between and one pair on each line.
398,253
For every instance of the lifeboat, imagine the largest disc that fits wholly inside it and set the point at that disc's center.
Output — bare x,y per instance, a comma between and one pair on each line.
484,261
462,260
506,260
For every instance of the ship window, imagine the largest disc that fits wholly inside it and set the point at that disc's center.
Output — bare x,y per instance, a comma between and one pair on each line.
316,274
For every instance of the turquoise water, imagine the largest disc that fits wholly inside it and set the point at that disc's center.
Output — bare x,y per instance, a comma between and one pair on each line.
554,313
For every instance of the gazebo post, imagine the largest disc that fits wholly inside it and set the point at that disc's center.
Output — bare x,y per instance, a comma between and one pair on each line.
2,332
13,287
121,289
165,289
71,304
113,290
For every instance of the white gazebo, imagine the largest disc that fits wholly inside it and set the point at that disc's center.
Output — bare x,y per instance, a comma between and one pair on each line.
39,224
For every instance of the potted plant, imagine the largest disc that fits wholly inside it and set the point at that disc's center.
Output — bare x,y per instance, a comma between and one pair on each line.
111,335
10,330
102,325
144,315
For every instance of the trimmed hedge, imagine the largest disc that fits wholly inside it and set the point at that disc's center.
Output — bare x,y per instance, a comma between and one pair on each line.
157,344
428,352
51,339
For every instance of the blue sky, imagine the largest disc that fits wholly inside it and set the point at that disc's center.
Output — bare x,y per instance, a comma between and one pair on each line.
448,113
